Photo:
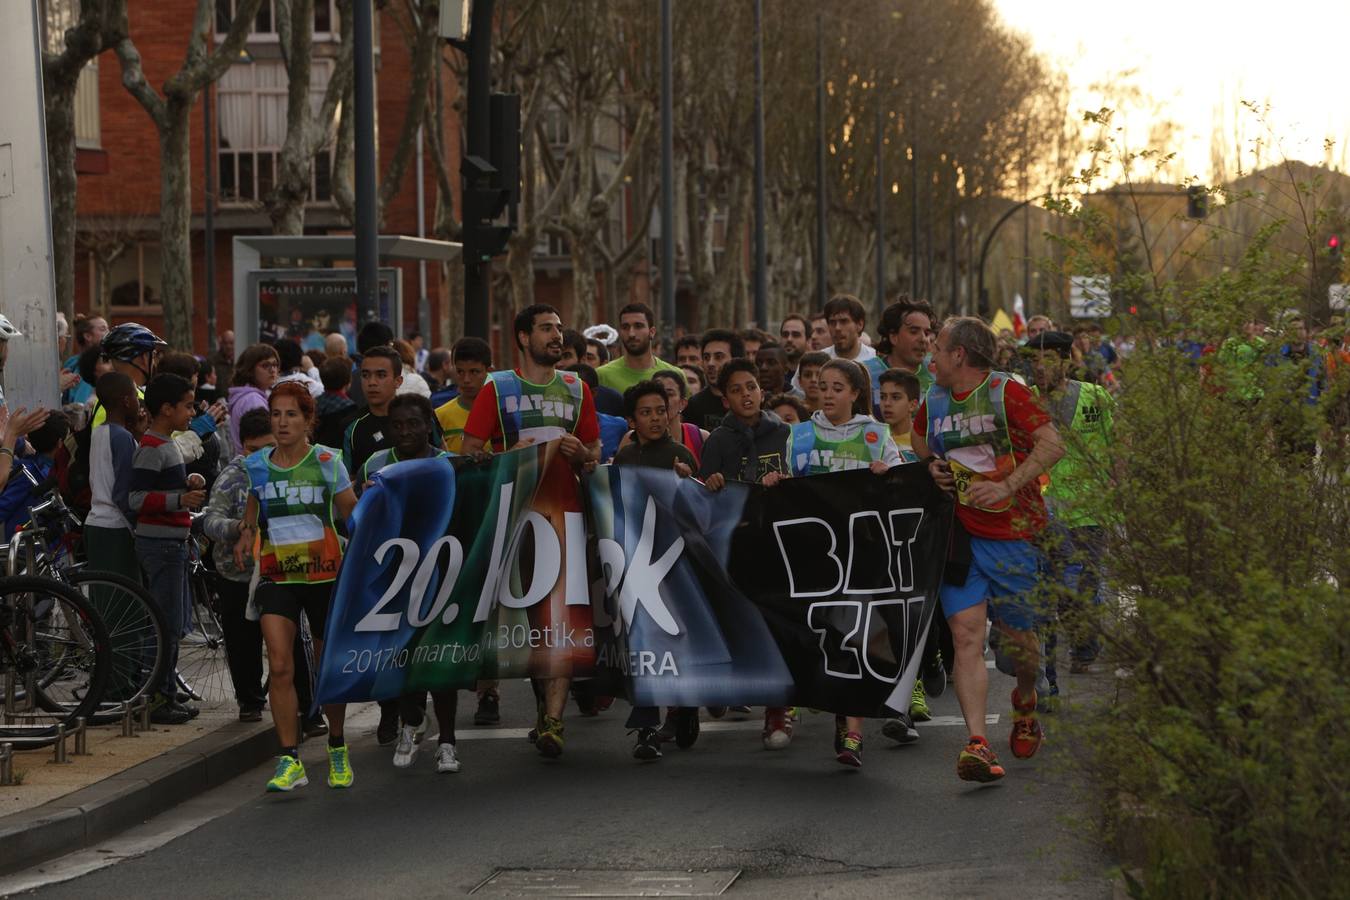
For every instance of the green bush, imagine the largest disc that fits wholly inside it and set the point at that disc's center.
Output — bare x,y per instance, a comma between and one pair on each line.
1225,753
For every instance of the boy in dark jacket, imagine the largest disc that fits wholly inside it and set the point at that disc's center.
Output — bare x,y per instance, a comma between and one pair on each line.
751,441
645,406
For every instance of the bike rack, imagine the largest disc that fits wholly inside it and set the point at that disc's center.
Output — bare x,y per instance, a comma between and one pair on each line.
59,753
128,724
6,764
143,714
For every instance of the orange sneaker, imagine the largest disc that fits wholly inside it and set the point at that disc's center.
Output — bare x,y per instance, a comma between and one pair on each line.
1027,734
977,762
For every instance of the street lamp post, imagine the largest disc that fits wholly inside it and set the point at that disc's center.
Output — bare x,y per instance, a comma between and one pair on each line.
367,211
821,284
209,221
761,250
667,173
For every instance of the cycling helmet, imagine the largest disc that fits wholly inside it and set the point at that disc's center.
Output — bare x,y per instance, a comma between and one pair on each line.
7,329
130,341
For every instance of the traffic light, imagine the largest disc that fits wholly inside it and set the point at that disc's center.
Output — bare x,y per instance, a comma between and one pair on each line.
1197,202
492,186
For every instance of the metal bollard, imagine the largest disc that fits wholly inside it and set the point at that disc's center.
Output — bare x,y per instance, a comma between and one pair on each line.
143,714
6,764
81,737
59,755
128,724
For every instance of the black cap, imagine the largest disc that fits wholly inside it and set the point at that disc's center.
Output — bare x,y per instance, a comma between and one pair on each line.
1052,340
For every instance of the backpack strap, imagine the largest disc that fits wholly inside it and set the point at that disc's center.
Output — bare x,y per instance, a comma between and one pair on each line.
801,441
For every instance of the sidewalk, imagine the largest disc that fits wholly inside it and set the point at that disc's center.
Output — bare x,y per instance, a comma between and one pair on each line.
54,809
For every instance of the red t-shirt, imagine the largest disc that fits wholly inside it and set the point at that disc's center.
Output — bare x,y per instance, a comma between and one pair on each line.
1026,516
485,423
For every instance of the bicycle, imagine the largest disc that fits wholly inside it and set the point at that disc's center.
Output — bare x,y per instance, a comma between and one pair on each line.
55,657
203,666
137,632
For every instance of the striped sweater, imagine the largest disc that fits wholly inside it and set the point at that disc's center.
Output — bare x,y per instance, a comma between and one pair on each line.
158,481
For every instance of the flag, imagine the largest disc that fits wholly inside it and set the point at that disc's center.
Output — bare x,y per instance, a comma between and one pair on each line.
1001,322
1019,316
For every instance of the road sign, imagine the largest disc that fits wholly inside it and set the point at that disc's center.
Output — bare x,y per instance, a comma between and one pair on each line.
1339,295
1089,296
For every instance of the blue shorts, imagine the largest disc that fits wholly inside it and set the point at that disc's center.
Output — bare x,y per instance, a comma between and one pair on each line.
1005,573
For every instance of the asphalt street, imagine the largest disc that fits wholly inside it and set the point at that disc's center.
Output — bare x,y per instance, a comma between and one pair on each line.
794,823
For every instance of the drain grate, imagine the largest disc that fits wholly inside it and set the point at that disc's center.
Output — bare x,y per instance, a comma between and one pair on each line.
607,883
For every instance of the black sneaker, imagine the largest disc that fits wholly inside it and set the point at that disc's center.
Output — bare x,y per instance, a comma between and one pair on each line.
168,712
315,727
717,712
489,710
648,746
666,733
900,729
739,710
250,714
387,731
935,677
686,727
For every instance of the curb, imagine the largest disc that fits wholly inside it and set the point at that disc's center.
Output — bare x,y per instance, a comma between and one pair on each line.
120,801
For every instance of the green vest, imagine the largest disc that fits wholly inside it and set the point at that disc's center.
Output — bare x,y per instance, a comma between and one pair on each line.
295,515
811,454
972,435
539,411
1082,411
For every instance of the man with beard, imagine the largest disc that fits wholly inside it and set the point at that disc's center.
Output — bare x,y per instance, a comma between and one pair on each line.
905,329
637,333
534,404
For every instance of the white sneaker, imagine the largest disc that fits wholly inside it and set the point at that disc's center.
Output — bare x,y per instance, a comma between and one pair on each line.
421,731
406,748
446,759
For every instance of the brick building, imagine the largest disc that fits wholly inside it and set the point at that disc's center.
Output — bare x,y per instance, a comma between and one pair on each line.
118,261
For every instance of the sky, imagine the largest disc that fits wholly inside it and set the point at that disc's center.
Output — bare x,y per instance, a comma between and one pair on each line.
1193,57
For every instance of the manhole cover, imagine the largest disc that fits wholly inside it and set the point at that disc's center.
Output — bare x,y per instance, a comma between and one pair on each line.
607,883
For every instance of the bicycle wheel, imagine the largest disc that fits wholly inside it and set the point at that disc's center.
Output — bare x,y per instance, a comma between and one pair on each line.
136,629
203,667
52,639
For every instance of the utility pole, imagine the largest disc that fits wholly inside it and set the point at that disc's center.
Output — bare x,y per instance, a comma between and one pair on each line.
367,211
761,249
478,129
822,287
667,173
881,202
209,219
912,134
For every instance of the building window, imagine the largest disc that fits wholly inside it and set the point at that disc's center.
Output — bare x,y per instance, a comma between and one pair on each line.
265,22
252,130
133,280
58,16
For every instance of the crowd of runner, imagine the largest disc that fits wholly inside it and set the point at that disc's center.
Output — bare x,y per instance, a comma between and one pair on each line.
266,453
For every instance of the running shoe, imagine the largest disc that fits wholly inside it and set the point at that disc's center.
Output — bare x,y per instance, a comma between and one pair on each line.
900,729
850,751
717,712
918,704
666,733
339,767
977,762
316,727
686,727
935,675
550,741
603,703
840,733
406,748
447,760
1027,734
290,775
648,746
777,728
489,710
166,711
739,710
